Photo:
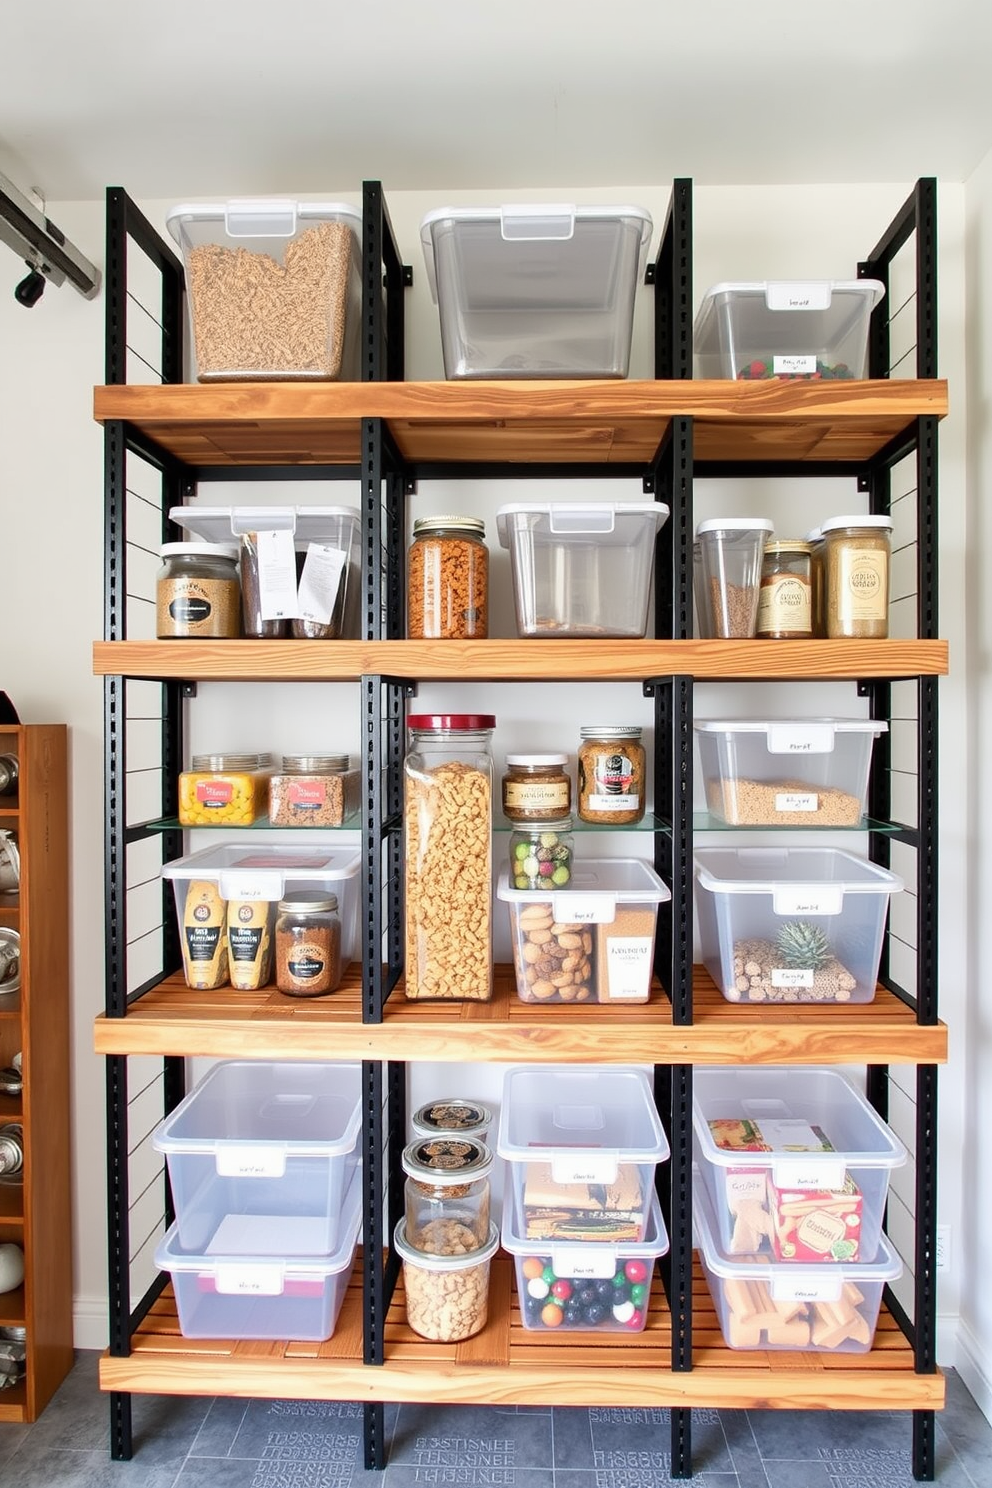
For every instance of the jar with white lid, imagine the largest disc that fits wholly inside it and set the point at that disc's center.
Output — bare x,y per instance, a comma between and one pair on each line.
447,1186
197,593
857,551
448,579
728,579
536,787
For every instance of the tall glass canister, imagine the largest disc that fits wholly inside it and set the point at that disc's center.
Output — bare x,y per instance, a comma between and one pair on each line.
448,818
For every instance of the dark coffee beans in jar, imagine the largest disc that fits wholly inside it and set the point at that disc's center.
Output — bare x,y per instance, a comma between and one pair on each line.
308,944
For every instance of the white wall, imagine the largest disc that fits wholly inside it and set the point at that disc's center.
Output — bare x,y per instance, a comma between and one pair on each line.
51,598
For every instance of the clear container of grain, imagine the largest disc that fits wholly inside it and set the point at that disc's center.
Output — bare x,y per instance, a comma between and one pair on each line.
447,1296
729,576
274,288
447,1184
313,790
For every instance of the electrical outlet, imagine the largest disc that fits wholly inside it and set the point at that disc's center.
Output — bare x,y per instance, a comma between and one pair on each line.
943,1248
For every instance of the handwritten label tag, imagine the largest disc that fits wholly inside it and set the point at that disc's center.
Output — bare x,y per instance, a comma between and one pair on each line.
800,738
235,1161
586,1167
260,887
805,1288
584,909
807,899
792,976
255,1280
793,366
584,1261
809,1177
797,801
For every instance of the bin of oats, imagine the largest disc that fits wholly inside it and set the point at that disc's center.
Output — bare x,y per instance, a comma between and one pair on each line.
447,819
447,1294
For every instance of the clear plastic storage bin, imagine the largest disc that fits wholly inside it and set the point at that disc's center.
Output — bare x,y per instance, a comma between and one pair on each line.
795,1161
300,566
787,772
811,329
261,1153
582,569
260,874
763,1304
582,1144
535,290
591,942
227,1291
274,288
791,924
585,1288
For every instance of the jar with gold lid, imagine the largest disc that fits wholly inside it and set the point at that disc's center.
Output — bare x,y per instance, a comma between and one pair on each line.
785,610
612,768
536,787
448,580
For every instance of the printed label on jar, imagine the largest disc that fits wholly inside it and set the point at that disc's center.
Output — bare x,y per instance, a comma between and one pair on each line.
306,963
306,796
244,942
628,960
613,803
863,584
783,604
214,794
534,796
612,776
202,941
197,607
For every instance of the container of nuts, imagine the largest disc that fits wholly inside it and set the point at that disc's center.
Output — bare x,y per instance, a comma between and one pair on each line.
447,1294
447,1179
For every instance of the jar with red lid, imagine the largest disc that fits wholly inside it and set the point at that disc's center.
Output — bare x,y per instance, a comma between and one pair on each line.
448,820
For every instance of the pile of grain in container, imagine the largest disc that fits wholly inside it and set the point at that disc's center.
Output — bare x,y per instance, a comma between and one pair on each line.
772,803
756,961
447,1292
254,317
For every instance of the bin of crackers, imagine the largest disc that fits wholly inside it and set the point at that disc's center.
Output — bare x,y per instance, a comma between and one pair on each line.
765,1304
795,1163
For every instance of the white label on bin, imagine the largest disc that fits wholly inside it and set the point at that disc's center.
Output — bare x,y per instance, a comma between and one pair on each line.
793,366
827,1177
586,1167
628,966
250,1162
792,976
789,295
800,738
807,899
276,575
260,887
585,909
797,801
254,1280
806,1289
591,1261
320,581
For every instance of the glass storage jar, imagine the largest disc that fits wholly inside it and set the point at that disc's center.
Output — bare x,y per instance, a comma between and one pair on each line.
197,594
536,787
785,611
312,790
447,813
817,577
222,790
308,944
453,1116
541,855
611,775
856,574
447,1193
448,580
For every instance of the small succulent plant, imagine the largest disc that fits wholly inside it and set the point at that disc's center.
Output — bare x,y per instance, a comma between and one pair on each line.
801,944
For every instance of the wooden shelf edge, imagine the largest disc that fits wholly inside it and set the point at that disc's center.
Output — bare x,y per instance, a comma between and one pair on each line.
519,660
554,1383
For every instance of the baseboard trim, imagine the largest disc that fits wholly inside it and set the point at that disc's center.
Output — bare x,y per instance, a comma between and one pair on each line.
89,1322
974,1365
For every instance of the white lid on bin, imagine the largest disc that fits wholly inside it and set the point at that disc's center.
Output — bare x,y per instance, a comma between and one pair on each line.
243,1270
815,1281
262,873
260,217
593,1115
794,294
735,524
313,523
792,875
574,1257
595,889
813,1095
808,727
531,222
831,524
597,519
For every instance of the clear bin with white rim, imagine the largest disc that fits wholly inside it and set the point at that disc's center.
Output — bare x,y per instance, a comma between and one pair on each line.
300,565
585,1288
816,329
787,772
259,874
225,1290
264,1152
581,569
591,942
764,1304
791,924
582,1144
535,290
795,1161
274,288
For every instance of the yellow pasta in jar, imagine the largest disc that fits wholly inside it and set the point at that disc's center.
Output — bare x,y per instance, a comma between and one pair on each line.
227,790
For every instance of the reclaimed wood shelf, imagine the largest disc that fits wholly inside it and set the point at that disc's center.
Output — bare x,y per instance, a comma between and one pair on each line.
223,1024
517,660
508,1364
563,422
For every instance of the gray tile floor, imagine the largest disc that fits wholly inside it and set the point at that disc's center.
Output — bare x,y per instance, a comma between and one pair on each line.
205,1443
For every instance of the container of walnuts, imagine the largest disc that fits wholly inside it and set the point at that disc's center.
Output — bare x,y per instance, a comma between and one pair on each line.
447,1291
